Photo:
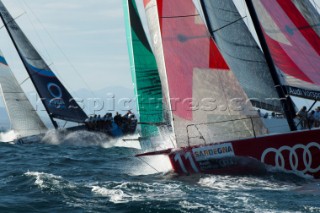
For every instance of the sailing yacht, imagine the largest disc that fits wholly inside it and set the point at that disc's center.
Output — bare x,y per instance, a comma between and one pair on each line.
56,99
146,80
214,75
23,118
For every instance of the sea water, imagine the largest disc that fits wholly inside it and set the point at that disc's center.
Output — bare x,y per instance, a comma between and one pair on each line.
85,172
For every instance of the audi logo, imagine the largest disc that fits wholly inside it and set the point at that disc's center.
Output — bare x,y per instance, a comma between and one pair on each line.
293,157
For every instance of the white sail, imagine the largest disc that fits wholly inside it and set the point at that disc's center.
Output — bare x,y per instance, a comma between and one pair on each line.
24,119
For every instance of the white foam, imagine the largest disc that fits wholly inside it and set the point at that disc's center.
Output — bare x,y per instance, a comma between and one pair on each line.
234,183
125,141
115,195
52,137
46,181
193,206
152,165
124,192
8,136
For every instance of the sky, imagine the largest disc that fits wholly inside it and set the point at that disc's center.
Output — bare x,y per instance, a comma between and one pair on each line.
84,42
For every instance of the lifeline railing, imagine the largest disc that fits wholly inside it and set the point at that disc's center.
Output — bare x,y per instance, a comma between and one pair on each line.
245,129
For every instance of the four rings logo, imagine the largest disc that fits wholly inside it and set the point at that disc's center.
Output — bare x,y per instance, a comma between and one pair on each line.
293,157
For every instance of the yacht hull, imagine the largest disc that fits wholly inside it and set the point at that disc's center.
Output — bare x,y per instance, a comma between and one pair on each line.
297,152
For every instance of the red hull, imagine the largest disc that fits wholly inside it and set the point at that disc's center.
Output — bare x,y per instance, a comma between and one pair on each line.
298,152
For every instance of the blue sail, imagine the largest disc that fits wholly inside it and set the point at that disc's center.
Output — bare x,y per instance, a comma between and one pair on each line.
55,97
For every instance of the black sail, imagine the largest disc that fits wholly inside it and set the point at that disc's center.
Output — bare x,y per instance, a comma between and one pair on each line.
241,52
55,97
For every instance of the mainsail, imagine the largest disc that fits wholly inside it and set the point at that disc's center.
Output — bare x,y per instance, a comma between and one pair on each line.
202,92
242,53
290,29
55,97
23,118
144,72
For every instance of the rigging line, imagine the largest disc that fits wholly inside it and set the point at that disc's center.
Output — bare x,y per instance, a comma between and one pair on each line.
24,81
41,41
39,37
231,23
68,60
43,46
185,16
13,19
148,164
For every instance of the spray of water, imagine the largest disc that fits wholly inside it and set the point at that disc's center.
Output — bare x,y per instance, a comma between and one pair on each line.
129,141
86,138
152,165
7,137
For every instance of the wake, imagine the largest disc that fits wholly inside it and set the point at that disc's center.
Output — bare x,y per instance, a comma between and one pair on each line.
86,138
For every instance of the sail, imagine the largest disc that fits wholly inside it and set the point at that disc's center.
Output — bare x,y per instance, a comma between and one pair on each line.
206,100
310,13
294,44
23,118
144,71
56,99
241,52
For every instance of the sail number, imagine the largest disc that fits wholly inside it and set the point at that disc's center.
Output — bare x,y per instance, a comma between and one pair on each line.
178,158
56,92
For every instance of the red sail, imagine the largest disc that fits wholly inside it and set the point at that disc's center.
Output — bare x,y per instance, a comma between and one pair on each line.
293,43
186,46
195,77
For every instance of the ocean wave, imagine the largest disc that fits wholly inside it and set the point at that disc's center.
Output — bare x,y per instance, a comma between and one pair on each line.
124,192
194,206
235,183
115,195
49,181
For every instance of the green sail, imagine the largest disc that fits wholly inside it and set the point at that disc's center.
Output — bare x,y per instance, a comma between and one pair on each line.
144,71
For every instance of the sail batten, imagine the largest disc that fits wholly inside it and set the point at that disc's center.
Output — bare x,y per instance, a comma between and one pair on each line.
55,97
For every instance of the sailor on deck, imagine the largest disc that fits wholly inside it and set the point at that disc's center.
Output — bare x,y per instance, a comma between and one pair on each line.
302,115
118,119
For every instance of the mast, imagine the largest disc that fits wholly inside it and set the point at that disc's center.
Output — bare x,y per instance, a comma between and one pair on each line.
58,102
286,101
54,123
